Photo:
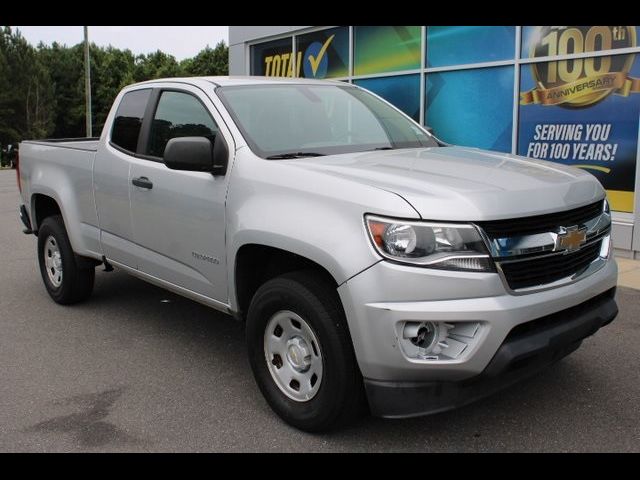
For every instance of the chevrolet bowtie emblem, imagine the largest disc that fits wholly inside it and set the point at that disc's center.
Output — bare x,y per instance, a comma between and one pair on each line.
571,239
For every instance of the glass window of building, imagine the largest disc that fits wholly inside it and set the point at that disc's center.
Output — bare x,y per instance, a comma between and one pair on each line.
472,107
382,49
403,91
323,54
272,59
548,41
456,45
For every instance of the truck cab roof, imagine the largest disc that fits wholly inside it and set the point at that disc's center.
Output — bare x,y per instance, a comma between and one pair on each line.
234,80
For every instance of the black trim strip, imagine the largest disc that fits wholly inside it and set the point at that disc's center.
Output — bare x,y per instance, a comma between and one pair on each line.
147,120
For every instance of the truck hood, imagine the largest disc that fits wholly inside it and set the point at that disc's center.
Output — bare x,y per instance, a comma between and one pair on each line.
459,183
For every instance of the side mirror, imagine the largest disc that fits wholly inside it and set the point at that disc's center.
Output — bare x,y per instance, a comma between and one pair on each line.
220,155
197,154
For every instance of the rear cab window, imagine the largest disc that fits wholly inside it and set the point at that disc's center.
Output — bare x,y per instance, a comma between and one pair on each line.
127,125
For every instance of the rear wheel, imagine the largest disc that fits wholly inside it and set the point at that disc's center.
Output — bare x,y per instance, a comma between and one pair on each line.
301,352
67,277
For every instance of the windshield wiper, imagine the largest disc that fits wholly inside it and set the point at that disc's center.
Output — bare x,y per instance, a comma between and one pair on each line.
282,156
384,148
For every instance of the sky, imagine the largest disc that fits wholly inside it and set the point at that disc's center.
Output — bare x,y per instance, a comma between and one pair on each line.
181,42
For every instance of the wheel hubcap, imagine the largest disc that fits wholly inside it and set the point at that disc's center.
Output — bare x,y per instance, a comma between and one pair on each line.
298,354
293,356
53,261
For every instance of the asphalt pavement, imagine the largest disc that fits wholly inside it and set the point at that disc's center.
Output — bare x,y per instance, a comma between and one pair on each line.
136,368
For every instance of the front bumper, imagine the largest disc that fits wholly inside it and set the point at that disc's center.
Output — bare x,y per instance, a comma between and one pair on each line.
386,294
380,298
528,348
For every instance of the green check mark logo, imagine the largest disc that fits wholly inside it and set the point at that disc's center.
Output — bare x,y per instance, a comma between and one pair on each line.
315,61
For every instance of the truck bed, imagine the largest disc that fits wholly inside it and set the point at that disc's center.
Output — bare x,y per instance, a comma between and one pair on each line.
82,143
63,170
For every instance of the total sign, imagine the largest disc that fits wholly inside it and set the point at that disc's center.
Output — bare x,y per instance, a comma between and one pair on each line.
315,62
322,54
316,59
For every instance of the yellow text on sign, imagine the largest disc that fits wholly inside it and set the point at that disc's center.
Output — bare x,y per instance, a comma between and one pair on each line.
282,65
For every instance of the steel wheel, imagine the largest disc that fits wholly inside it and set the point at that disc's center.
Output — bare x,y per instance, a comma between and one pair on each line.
293,356
301,353
53,261
67,277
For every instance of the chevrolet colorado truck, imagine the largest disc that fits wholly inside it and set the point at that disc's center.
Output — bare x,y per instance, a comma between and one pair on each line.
374,266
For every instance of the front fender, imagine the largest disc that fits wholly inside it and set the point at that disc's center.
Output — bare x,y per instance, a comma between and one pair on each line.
316,216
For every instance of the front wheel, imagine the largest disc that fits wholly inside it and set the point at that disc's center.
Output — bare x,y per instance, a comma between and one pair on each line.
301,353
66,277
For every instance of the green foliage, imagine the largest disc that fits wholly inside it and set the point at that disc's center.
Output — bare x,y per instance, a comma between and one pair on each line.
210,61
42,88
27,100
67,77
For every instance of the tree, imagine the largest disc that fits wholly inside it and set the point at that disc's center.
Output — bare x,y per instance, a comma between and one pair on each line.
111,69
210,61
40,99
156,65
8,131
65,67
27,104
42,89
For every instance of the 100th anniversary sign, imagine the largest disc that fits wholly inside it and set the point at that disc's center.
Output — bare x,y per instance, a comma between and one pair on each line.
582,108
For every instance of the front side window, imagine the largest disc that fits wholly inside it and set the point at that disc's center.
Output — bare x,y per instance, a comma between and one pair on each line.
179,115
300,119
128,121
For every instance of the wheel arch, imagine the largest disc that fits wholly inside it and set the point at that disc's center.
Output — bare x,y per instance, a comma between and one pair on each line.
256,263
43,206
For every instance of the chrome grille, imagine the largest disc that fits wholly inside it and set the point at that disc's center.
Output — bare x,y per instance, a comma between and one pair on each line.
533,252
549,268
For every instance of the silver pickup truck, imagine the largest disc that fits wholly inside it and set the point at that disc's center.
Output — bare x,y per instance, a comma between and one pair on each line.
373,265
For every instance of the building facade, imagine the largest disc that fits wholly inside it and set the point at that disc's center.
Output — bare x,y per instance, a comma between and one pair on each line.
568,94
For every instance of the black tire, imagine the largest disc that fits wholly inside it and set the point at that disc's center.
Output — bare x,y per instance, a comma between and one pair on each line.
78,274
340,398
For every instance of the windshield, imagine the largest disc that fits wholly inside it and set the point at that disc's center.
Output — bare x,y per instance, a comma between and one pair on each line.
289,120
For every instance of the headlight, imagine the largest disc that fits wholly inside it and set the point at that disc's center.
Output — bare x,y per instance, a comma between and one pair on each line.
433,245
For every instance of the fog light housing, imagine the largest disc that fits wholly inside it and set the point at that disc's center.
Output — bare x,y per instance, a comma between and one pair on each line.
426,336
437,340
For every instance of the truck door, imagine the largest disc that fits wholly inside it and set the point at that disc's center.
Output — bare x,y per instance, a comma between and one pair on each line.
111,177
178,216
